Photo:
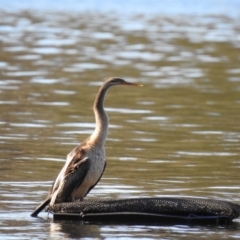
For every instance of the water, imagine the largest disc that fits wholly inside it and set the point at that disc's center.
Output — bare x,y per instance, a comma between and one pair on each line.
178,135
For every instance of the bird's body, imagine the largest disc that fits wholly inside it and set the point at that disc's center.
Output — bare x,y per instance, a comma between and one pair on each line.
85,164
83,168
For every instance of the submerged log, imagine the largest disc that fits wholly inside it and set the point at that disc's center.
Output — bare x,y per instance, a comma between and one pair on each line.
158,210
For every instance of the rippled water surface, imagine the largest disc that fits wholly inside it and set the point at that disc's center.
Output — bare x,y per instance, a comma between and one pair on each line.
178,135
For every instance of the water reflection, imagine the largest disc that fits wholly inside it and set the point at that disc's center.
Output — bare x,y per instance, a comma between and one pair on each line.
178,135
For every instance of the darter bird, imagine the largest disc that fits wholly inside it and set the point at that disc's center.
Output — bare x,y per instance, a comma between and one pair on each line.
86,163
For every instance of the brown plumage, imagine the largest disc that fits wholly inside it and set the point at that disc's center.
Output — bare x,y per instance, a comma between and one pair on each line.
85,164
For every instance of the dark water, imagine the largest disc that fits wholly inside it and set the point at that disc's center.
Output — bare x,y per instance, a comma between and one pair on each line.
179,135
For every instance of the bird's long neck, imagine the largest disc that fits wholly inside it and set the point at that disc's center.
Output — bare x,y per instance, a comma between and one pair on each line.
100,133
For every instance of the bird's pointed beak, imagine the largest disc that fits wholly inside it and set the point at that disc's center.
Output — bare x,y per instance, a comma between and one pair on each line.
132,84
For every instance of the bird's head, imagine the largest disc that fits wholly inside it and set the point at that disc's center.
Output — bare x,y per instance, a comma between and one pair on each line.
119,81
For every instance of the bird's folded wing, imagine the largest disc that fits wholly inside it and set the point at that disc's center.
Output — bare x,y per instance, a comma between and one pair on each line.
73,178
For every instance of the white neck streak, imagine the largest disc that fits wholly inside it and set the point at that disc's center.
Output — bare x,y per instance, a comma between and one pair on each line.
99,135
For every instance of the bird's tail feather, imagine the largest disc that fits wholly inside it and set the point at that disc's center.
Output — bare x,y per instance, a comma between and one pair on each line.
41,207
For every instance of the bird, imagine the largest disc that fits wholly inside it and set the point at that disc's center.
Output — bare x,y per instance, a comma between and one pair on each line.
86,163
